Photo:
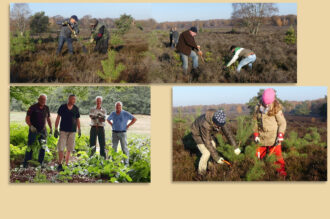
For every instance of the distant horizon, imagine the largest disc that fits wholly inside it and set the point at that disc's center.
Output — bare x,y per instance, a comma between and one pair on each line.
212,95
160,12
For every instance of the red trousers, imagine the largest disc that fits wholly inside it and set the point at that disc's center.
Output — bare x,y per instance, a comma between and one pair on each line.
277,150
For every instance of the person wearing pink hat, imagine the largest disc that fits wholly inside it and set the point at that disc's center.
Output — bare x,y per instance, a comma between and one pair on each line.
269,128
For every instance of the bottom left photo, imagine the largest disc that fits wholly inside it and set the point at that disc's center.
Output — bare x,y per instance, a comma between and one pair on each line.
79,134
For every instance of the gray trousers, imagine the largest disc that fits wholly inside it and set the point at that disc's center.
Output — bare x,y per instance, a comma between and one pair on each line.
122,137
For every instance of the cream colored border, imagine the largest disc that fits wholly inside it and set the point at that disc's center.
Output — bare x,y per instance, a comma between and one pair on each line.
162,198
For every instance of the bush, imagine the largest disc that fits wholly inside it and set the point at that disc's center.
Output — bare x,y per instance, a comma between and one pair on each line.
290,36
21,43
111,71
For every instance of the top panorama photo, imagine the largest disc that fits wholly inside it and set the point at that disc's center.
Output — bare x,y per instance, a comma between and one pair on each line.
153,43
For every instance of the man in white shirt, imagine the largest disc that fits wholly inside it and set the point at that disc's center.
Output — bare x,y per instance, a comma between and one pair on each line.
248,57
97,115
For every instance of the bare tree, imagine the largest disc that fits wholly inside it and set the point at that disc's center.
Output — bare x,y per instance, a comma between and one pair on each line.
252,15
19,14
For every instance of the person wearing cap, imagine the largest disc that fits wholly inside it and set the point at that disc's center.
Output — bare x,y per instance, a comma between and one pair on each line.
203,130
270,126
247,57
97,115
68,27
187,46
100,35
36,118
119,122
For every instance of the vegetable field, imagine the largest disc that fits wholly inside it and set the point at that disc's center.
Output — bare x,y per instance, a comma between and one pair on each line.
82,167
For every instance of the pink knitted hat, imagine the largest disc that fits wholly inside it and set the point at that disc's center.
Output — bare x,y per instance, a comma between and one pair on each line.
268,96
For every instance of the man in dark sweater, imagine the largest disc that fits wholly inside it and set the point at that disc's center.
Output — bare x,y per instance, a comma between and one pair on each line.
36,118
187,47
69,27
203,130
69,115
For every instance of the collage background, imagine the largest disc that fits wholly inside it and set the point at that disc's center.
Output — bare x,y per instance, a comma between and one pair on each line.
162,198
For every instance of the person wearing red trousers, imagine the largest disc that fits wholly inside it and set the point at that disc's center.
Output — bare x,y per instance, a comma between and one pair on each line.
270,128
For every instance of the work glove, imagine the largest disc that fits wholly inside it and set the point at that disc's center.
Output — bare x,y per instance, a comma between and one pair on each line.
50,131
79,133
91,40
56,134
198,47
65,23
237,151
220,161
33,129
280,138
256,137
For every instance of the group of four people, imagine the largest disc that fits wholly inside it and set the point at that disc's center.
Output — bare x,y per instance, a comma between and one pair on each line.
68,118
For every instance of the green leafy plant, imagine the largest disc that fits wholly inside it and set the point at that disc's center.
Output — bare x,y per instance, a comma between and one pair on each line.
111,71
21,43
290,36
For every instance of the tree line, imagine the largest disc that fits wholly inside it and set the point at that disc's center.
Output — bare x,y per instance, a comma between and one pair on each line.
248,15
135,99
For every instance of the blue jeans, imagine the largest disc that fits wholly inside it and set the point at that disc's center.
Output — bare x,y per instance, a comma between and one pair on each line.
184,59
246,61
61,41
122,137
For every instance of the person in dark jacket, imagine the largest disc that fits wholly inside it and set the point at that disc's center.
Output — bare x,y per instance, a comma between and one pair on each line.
36,118
175,37
187,47
203,130
171,36
100,35
69,27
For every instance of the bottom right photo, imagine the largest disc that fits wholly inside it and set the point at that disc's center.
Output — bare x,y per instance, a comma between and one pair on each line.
249,133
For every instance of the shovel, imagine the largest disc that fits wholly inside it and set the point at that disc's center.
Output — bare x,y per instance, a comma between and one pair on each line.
78,40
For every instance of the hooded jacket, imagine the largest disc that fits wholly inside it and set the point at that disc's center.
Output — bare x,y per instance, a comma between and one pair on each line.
203,131
269,124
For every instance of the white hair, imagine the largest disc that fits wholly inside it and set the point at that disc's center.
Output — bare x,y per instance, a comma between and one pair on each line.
118,102
98,97
42,95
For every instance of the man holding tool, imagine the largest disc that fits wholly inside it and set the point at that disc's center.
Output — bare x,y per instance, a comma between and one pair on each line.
69,27
187,47
97,115
36,118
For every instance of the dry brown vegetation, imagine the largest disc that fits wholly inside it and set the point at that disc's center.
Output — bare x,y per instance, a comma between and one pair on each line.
148,59
303,163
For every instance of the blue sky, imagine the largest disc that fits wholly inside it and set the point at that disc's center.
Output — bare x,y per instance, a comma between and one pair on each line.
206,95
158,11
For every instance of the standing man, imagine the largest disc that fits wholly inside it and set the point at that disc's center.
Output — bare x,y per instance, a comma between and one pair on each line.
118,120
248,57
69,26
203,132
100,35
171,36
97,115
175,37
36,118
69,115
187,47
